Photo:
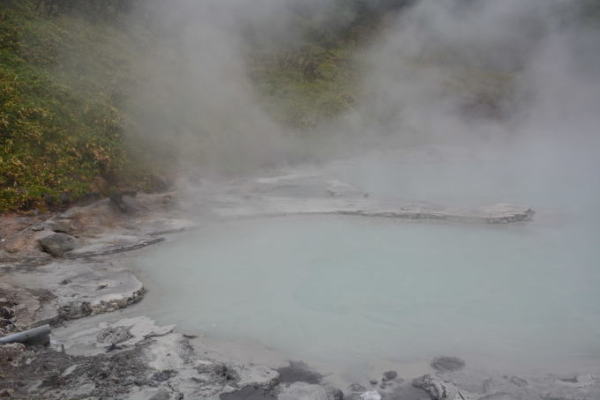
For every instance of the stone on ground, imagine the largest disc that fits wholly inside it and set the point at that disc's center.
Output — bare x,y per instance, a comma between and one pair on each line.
57,244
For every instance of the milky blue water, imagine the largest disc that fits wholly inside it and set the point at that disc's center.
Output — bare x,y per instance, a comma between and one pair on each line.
349,290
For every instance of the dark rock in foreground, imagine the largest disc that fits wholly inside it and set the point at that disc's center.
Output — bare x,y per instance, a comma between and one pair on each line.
57,244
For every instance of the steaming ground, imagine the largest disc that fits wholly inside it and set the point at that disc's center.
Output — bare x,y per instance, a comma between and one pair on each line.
462,105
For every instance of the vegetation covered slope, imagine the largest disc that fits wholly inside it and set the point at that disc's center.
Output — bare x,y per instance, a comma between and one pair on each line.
62,78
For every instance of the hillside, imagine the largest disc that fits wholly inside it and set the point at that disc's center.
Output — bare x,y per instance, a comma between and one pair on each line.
62,78
66,70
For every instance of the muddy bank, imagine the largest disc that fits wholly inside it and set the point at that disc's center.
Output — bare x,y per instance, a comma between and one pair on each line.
62,282
70,270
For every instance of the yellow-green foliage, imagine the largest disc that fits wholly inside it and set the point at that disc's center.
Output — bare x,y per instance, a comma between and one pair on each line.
60,126
317,79
306,86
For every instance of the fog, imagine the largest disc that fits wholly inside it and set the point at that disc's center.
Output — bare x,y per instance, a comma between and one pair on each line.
461,103
492,77
197,104
437,70
513,85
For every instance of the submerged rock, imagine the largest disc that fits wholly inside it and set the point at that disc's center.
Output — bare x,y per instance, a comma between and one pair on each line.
447,364
390,375
298,371
578,380
57,244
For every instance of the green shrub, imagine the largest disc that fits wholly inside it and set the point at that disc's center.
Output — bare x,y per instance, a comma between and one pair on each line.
61,133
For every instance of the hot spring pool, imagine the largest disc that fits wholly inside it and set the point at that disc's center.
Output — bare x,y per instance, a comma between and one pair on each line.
348,290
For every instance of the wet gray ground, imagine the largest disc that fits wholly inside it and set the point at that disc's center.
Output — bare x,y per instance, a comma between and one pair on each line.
100,352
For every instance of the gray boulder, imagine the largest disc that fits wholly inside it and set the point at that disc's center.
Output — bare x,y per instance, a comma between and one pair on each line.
57,244
390,375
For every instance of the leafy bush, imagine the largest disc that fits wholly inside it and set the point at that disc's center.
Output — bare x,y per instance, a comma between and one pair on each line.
60,129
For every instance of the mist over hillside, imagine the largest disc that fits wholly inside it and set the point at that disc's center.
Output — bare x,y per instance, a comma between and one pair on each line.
300,82
151,89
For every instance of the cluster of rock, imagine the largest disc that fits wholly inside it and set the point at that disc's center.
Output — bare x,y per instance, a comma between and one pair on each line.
135,359
448,382
108,226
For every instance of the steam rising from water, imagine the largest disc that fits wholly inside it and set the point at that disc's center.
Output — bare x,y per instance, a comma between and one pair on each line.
487,101
513,84
468,73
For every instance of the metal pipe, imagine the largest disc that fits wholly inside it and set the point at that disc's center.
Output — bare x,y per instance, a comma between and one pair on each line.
39,335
